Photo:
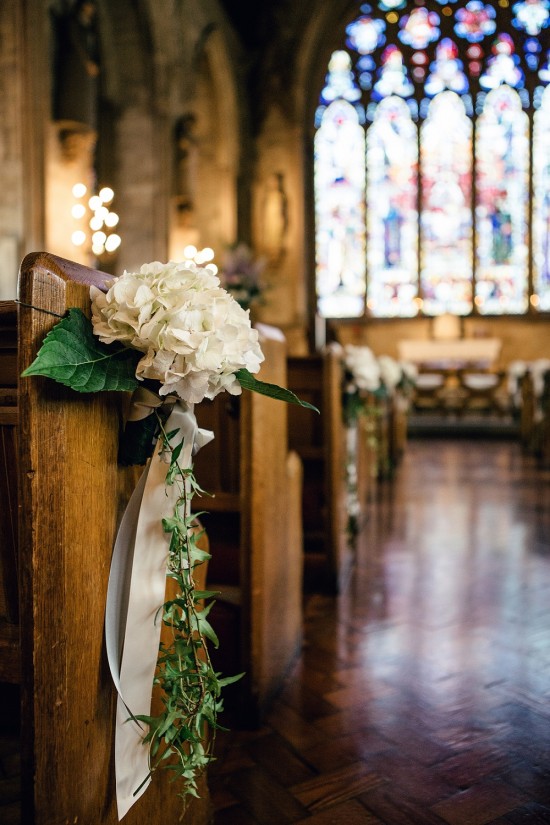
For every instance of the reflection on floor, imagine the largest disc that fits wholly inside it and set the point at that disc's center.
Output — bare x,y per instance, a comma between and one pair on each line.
422,693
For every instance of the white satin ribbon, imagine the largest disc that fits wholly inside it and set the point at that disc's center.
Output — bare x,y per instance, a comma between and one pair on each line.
136,589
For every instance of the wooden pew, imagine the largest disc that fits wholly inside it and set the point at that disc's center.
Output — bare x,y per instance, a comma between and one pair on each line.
528,428
70,491
254,525
10,664
544,456
320,443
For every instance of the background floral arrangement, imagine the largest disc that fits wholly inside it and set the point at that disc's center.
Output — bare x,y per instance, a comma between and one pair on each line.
366,374
241,275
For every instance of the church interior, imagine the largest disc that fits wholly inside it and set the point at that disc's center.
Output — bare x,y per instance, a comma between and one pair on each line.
371,183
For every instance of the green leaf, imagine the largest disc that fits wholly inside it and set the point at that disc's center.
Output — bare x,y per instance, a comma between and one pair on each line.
72,355
248,382
205,594
229,680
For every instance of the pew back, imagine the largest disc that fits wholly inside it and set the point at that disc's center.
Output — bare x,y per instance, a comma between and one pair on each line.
9,602
71,493
255,530
320,443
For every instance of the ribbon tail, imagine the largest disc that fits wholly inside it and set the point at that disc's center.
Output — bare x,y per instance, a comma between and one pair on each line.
136,591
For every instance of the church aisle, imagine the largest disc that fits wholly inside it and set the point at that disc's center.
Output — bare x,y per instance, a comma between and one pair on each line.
421,695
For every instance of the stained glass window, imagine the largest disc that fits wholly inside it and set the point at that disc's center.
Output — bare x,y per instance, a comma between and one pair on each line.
340,211
434,131
541,209
446,218
502,155
392,218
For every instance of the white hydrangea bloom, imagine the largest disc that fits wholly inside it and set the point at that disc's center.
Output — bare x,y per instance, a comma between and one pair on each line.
193,334
390,371
363,366
409,371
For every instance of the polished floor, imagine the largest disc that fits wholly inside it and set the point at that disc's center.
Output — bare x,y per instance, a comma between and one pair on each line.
422,696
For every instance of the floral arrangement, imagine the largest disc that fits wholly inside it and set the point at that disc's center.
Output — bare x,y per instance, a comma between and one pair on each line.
241,275
380,376
173,329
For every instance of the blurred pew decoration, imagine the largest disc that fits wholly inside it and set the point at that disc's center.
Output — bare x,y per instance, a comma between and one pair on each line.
69,494
529,391
377,394
254,523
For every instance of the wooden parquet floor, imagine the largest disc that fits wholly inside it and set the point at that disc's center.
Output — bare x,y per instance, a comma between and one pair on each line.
422,695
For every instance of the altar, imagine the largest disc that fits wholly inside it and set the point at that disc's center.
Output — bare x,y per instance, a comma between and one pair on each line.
481,353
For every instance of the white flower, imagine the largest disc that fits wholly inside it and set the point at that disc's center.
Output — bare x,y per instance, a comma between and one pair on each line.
361,363
193,334
390,371
409,371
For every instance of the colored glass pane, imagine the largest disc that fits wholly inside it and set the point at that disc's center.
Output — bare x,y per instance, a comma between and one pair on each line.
339,80
446,70
502,66
541,208
392,218
340,212
532,15
446,217
419,28
475,21
366,34
393,78
544,71
502,156
388,5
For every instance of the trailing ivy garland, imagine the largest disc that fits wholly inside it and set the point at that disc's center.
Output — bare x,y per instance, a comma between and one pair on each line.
190,689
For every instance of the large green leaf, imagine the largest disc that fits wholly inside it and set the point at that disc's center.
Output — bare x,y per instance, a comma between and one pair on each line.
72,355
248,382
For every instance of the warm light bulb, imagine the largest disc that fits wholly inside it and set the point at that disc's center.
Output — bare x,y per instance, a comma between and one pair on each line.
98,249
78,210
106,194
99,238
113,242
207,254
111,219
78,237
534,300
94,203
96,223
212,268
79,190
190,251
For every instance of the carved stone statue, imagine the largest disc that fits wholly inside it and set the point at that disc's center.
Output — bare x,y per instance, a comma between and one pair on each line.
76,66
